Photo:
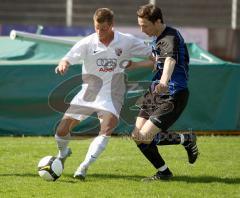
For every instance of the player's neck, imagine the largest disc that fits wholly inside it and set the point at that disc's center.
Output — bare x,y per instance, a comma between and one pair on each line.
108,39
160,30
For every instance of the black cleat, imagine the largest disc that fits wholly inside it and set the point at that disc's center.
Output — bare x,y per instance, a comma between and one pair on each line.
165,175
191,148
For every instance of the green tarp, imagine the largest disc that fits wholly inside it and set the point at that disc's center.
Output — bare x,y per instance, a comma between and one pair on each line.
28,84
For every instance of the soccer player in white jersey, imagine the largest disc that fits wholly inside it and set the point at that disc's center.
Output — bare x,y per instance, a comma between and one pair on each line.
103,53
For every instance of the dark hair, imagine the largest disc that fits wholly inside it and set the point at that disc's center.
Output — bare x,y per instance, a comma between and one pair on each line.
102,15
150,12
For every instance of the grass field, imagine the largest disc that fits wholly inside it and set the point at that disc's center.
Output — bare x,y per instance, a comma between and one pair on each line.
118,172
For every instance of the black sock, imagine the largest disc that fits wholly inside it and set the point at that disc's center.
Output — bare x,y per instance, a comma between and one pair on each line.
150,151
162,139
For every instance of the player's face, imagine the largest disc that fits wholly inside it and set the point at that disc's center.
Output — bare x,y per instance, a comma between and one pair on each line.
147,26
103,30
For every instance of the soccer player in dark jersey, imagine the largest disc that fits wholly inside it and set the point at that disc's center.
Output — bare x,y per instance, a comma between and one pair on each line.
168,94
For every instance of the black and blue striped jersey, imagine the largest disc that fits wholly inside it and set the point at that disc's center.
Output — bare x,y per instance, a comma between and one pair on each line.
171,44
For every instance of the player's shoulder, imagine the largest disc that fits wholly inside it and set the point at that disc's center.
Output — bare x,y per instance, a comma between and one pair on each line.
125,35
172,31
128,38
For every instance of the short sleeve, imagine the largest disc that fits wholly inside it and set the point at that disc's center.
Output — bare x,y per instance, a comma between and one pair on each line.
168,47
139,48
77,52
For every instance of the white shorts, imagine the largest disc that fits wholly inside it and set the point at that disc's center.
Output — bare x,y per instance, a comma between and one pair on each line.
83,106
85,112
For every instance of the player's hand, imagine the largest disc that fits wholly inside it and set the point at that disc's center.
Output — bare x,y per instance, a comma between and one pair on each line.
141,64
62,67
161,88
128,64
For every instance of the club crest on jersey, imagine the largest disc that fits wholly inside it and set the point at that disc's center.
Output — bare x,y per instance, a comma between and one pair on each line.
118,51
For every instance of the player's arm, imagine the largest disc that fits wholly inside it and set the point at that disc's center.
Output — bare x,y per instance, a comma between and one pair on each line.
141,64
168,68
77,52
141,50
62,67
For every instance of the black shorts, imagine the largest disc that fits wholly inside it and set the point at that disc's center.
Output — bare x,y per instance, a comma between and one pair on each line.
164,110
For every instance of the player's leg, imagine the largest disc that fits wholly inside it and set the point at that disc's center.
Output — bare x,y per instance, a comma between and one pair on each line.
108,122
63,136
170,138
167,112
150,151
140,121
165,120
72,117
162,116
189,141
143,135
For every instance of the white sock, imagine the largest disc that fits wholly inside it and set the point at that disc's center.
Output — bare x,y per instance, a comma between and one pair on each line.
95,149
163,168
181,138
62,143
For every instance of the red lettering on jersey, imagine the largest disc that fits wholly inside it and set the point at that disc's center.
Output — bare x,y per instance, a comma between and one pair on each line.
106,69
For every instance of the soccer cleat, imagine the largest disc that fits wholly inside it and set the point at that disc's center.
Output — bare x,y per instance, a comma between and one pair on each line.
191,148
80,173
63,159
164,175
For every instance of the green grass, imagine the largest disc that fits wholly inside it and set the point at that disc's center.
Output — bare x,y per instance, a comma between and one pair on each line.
117,173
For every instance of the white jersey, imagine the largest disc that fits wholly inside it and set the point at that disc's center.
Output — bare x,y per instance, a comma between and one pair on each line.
103,69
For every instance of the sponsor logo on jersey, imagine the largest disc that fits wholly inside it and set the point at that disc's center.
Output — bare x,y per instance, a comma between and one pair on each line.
103,69
106,64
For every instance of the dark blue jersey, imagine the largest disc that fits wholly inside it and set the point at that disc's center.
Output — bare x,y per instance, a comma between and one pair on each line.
171,44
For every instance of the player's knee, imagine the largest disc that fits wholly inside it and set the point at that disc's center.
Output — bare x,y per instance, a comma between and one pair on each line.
144,137
134,136
136,132
61,132
62,129
106,131
65,126
137,137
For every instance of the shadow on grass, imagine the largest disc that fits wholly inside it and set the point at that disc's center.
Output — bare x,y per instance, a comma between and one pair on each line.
206,179
110,176
91,177
72,181
187,179
36,176
18,175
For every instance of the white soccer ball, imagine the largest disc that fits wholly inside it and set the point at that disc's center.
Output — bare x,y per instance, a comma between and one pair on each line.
50,168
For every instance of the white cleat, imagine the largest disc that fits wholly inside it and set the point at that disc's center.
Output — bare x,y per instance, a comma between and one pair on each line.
63,159
80,173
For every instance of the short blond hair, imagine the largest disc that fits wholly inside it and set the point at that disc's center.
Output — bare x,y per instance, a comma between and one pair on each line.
102,15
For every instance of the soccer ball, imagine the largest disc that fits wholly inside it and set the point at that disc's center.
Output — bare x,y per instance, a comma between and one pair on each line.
50,168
